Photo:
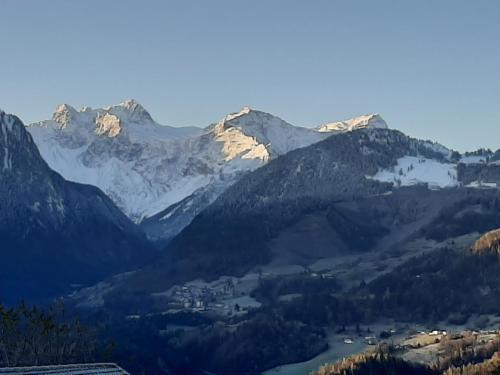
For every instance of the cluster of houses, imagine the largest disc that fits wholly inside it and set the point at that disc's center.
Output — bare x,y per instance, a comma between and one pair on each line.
200,297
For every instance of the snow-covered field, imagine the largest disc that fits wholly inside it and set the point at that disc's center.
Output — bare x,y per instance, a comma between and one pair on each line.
412,170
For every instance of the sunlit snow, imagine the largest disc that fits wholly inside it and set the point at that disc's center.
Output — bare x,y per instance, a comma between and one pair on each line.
411,170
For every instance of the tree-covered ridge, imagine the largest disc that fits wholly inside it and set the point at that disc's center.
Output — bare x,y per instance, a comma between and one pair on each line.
445,285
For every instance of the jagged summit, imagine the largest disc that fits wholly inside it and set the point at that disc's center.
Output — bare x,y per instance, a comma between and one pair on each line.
126,111
134,111
131,104
243,118
63,115
244,111
64,108
126,119
374,121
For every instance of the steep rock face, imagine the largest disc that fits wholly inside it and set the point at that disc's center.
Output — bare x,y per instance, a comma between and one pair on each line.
55,233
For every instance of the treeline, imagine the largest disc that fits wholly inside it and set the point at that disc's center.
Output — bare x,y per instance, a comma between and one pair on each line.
30,335
381,364
488,367
462,355
377,363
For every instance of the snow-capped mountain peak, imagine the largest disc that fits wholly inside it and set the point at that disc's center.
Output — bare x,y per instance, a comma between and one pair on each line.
132,110
373,121
120,149
63,115
251,128
242,112
128,119
132,105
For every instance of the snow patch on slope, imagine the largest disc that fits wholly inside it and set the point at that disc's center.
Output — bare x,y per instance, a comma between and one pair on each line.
412,170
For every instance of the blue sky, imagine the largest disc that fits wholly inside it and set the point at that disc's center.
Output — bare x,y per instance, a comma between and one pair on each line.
430,68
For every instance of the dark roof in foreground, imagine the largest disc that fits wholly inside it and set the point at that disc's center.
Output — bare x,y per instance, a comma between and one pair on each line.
81,369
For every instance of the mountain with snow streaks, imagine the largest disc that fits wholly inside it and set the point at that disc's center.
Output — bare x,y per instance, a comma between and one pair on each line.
55,233
163,176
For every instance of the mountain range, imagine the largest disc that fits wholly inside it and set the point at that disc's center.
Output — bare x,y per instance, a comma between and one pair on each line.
248,225
162,176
